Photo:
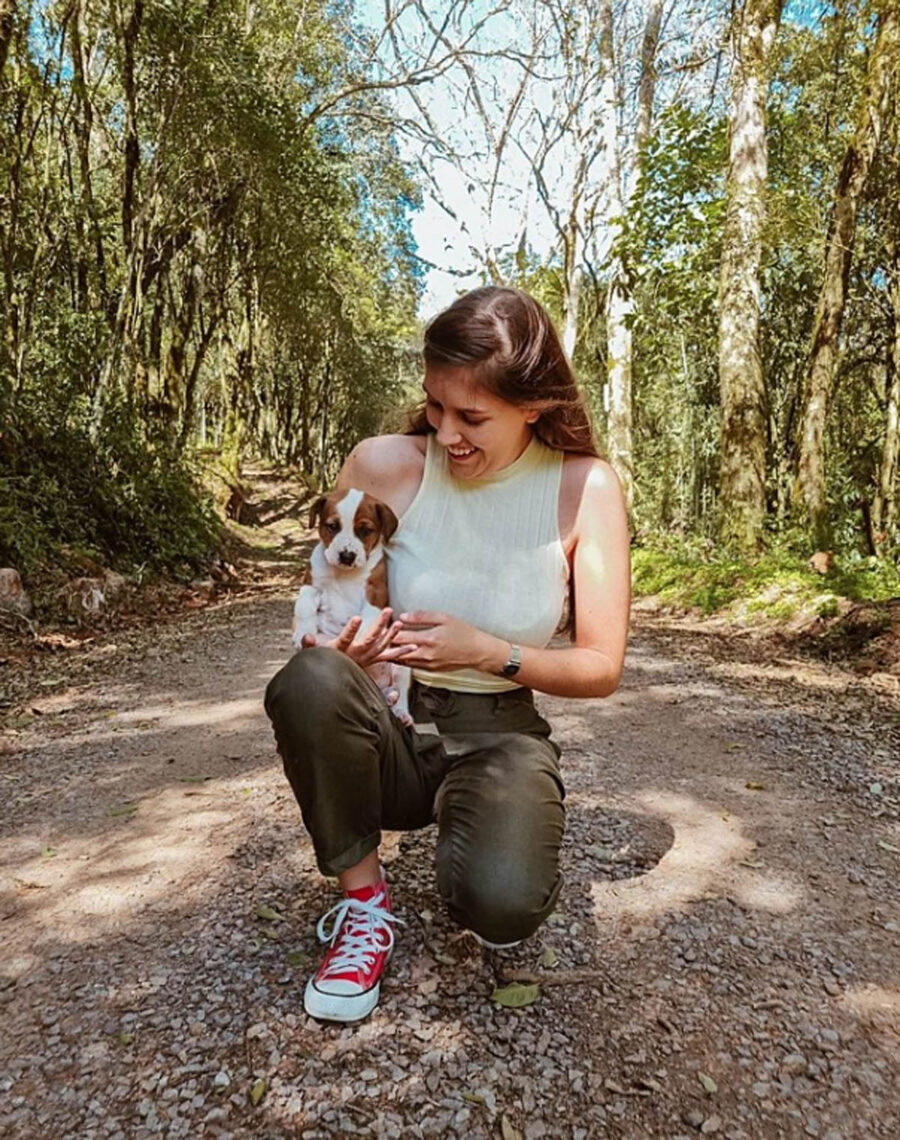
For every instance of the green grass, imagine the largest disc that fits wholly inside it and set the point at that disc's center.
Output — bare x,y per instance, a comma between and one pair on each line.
778,585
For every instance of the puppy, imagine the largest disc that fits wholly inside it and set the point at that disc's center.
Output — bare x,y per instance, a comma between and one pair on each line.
348,576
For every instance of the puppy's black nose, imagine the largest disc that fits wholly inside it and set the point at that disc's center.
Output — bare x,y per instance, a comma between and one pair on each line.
346,558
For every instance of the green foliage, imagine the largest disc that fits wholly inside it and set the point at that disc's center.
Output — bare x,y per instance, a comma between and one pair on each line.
260,300
115,497
673,247
780,584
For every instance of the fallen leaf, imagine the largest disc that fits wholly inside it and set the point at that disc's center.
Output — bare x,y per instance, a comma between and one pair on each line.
48,852
122,809
125,1038
473,1098
297,958
426,916
270,914
548,958
507,1131
258,1091
888,847
755,786
445,959
516,994
754,863
708,1083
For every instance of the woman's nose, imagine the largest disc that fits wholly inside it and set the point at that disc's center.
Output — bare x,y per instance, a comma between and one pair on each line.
447,433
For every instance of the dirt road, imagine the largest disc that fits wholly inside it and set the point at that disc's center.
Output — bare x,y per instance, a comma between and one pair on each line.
725,960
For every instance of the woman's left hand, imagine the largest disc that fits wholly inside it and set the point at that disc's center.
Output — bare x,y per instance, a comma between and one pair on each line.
443,641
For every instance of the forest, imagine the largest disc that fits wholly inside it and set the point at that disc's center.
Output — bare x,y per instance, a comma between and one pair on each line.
209,244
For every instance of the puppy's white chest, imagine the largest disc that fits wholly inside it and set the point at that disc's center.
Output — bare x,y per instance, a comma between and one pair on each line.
342,594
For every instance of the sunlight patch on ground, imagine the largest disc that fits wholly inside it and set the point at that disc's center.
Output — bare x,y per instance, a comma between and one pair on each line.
150,858
190,714
874,1003
812,678
705,861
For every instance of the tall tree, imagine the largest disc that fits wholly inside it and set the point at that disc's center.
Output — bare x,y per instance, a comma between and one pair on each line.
623,170
742,490
884,505
809,487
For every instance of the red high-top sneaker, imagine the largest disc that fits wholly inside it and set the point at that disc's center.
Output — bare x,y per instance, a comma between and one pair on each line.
347,985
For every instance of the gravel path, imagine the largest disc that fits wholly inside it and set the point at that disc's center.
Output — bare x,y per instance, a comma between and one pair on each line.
725,959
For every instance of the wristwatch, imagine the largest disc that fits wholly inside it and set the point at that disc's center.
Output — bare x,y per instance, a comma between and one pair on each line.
514,663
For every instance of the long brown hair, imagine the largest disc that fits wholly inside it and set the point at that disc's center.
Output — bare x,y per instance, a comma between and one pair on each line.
508,342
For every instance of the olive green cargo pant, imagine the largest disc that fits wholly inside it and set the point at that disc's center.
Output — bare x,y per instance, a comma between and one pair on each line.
490,779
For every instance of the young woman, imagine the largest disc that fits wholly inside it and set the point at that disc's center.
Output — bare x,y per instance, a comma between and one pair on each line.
506,513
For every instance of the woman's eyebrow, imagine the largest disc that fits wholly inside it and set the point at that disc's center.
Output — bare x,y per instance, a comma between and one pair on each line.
474,411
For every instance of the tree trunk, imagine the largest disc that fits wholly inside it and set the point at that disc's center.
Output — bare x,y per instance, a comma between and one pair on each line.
130,34
809,487
182,327
884,506
647,89
742,461
571,285
7,23
83,126
622,178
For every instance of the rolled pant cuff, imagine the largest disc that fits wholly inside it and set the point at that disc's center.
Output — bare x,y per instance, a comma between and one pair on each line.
350,857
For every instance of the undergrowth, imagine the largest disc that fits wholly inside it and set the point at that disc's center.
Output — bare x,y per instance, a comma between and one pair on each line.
779,584
116,497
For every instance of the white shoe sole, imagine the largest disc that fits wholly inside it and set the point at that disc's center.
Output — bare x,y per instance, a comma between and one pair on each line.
339,1007
495,945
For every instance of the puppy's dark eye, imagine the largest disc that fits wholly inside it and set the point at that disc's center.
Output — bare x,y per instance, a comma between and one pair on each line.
365,531
332,527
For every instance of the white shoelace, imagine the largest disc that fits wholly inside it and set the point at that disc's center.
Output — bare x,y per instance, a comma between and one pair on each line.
359,942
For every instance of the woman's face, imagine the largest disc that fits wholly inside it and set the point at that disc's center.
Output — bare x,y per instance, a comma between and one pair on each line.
480,432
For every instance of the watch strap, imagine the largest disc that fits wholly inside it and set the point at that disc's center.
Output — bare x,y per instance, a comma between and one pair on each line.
514,662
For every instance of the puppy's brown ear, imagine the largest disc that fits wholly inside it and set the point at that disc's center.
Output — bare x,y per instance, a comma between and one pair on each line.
315,511
388,521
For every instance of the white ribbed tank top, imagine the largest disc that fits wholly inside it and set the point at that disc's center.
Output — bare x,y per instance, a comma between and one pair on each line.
486,550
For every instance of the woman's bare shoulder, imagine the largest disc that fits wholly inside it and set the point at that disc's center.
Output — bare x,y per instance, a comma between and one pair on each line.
383,454
582,476
386,466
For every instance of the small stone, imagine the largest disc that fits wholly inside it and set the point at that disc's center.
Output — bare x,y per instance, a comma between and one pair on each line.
710,1125
222,1080
694,1117
13,597
761,1088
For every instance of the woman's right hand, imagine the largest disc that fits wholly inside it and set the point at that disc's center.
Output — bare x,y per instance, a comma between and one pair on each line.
374,647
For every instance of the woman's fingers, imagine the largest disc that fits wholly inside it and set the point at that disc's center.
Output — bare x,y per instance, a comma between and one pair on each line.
398,653
344,639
